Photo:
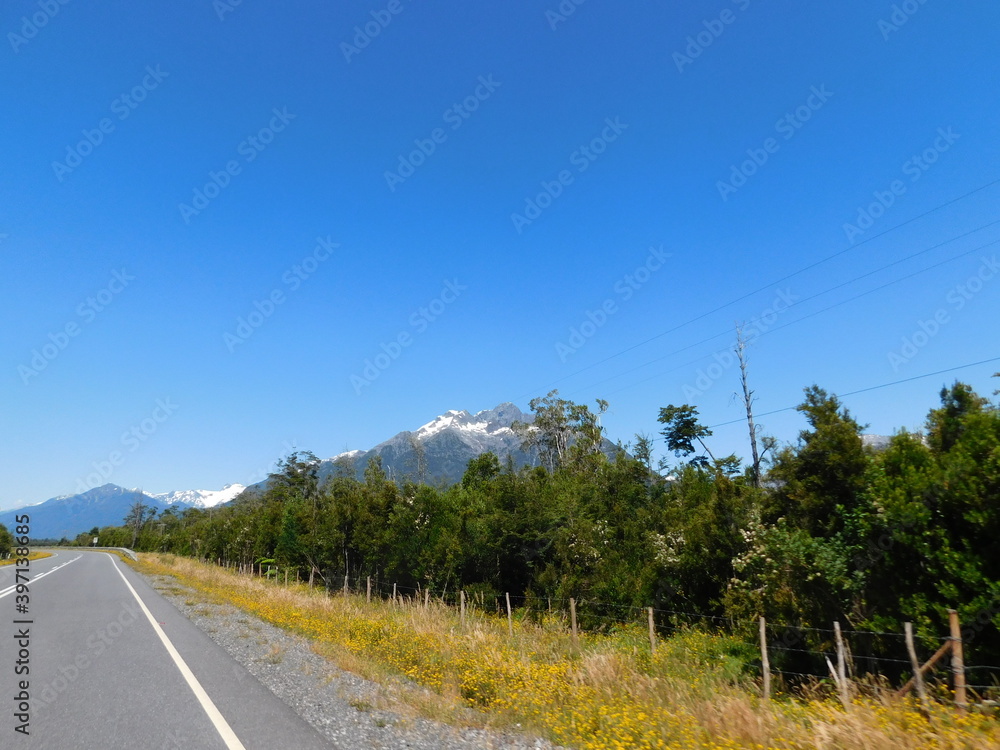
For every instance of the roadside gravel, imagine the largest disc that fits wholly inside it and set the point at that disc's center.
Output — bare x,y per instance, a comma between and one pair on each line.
352,712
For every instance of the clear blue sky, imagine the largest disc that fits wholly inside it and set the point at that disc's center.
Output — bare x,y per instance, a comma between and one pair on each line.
736,138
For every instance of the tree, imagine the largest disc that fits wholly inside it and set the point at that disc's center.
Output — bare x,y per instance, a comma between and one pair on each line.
946,424
681,429
419,460
643,451
559,425
288,550
822,479
748,403
297,476
481,470
6,541
137,516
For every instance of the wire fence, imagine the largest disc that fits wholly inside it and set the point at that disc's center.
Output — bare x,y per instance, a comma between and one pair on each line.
798,653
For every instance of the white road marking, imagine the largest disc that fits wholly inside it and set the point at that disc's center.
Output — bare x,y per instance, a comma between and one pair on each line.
221,725
10,589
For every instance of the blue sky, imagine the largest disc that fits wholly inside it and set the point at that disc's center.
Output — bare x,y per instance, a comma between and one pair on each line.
214,216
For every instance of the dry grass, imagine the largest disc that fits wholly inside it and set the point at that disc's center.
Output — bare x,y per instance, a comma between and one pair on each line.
31,556
613,694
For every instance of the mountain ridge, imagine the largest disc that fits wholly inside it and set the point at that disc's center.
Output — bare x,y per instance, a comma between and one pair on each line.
437,452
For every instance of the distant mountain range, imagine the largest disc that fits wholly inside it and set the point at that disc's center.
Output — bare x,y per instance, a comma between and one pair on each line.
437,453
69,515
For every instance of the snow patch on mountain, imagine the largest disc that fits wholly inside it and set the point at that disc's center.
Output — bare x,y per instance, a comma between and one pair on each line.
346,454
450,418
487,422
200,498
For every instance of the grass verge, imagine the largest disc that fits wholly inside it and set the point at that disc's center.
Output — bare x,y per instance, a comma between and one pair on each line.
31,556
611,693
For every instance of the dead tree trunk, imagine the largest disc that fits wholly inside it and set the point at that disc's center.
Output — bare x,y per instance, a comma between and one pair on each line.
748,403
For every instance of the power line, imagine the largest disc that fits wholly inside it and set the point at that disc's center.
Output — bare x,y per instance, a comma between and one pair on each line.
809,267
814,313
870,388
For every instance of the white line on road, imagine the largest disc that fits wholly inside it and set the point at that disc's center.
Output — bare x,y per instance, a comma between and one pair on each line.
221,725
10,589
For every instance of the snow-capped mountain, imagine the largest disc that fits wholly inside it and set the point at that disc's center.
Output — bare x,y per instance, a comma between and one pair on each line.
200,498
69,515
439,451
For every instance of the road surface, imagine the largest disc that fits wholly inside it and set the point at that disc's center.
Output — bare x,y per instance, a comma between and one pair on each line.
101,660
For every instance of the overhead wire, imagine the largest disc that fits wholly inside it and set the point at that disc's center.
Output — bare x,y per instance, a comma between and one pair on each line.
866,390
784,278
813,314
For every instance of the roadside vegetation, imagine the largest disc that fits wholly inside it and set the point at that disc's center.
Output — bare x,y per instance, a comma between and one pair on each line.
34,555
826,530
697,691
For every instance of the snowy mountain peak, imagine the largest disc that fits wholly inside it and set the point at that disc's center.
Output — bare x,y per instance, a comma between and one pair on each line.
201,498
486,422
451,418
346,454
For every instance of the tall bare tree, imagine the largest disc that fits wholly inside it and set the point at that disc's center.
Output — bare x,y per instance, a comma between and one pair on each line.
748,399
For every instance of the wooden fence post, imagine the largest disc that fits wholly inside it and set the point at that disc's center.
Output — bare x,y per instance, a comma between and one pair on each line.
765,662
957,660
572,617
368,595
462,598
510,617
928,665
286,576
652,631
917,675
845,697
394,594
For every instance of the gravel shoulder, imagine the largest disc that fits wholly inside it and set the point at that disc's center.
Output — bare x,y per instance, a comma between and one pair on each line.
350,711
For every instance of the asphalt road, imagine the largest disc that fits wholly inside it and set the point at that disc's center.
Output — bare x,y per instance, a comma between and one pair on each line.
112,664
